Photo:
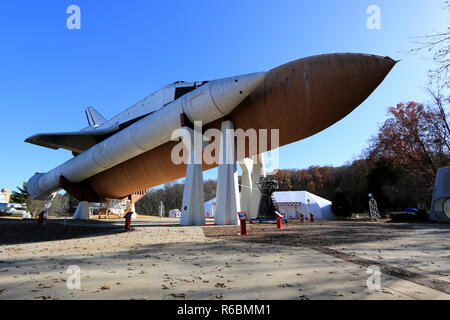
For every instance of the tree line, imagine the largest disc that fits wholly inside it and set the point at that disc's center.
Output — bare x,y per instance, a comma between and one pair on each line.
398,167
171,196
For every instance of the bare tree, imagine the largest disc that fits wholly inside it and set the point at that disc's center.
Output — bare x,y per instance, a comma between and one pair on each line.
439,45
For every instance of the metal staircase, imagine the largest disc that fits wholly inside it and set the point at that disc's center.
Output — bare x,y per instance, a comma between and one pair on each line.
118,208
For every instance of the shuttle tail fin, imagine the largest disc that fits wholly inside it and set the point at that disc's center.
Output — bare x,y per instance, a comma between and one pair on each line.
94,117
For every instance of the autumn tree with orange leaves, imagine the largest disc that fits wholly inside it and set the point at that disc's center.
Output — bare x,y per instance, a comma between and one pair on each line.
416,138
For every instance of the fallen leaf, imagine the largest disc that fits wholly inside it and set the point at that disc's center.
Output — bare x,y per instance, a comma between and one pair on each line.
220,285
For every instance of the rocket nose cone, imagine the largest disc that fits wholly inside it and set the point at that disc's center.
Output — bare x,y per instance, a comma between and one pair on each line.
305,96
229,92
391,61
386,61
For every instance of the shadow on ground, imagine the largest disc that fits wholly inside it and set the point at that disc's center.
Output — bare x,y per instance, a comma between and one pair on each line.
27,231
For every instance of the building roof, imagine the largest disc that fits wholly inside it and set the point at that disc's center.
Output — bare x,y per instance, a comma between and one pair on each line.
299,197
292,198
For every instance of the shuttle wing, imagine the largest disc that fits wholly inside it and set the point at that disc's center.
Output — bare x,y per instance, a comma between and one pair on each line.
77,142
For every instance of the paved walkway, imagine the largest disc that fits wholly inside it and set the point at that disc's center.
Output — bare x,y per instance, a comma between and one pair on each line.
424,251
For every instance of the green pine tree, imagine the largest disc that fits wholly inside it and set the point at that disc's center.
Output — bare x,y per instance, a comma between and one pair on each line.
20,196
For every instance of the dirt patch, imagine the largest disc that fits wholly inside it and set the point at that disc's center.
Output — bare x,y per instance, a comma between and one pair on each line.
322,235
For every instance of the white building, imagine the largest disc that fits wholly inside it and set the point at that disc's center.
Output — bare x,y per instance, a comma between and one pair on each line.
294,203
210,208
4,196
175,213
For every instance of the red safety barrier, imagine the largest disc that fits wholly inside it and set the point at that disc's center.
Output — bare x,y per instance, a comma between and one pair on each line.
243,227
41,217
128,221
279,220
279,223
243,219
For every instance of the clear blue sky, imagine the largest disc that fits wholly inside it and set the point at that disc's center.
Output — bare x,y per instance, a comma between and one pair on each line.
125,50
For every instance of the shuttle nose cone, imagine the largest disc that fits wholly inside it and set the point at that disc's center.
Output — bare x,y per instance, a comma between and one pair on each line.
227,93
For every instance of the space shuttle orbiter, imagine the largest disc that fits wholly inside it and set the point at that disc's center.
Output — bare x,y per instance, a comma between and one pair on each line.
99,128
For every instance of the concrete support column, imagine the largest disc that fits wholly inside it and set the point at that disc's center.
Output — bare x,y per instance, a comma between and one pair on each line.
246,184
82,211
259,170
133,209
227,194
192,208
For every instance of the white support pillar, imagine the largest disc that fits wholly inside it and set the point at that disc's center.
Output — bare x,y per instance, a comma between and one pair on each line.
133,209
192,208
82,211
246,165
259,170
227,194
